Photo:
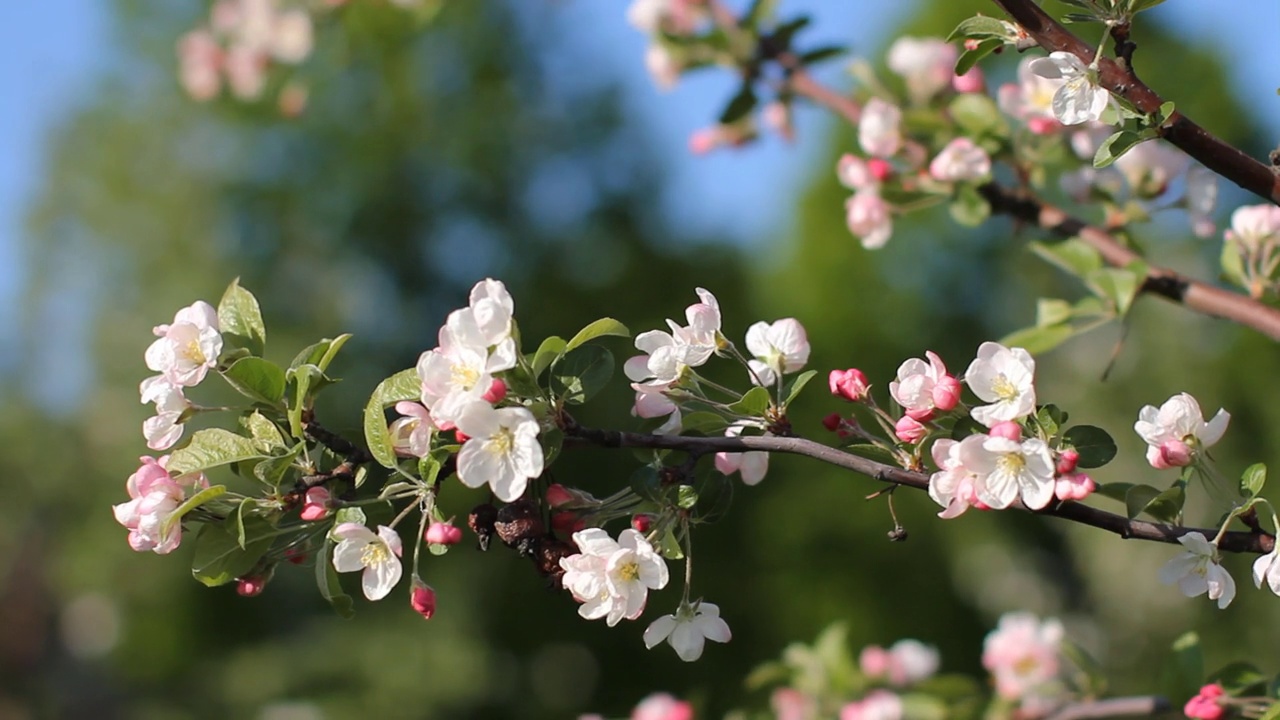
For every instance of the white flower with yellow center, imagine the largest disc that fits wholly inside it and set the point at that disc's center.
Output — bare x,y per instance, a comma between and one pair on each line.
185,350
461,369
779,348
378,555
1197,571
501,450
1080,98
1003,377
612,579
689,629
1009,469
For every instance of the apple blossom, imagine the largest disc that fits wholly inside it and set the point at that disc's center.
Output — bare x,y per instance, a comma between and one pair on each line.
876,705
502,449
1011,470
1177,432
906,662
1200,197
491,308
1003,377
1073,486
921,388
689,629
165,427
1149,167
612,578
199,60
973,81
752,465
1067,461
1205,704
869,218
1266,568
879,131
779,348
855,173
154,497
411,434
1022,654
422,599
378,555
1007,430
661,706
1079,99
910,430
662,65
1197,571
1252,226
442,533
316,504
460,370
250,586
1031,99
851,384
791,704
187,349
667,355
927,64
954,486
961,160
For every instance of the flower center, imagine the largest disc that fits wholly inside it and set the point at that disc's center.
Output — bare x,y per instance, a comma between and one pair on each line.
463,376
1011,463
501,442
1004,389
193,352
629,571
374,554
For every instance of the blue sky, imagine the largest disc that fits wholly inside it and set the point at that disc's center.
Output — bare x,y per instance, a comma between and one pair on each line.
54,49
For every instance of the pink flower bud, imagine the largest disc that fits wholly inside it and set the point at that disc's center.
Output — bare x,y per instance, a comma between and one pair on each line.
460,436
833,422
921,414
557,495
849,384
1173,453
946,393
423,599
439,533
909,430
874,661
971,44
1043,125
1204,706
1008,429
316,504
1074,486
295,555
880,168
970,82
1067,460
567,522
704,140
251,586
642,522
496,392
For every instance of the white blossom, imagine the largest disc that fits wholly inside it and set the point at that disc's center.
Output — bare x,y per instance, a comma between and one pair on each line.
1267,569
752,465
612,579
927,64
164,428
879,131
779,348
1011,469
689,629
1003,377
378,555
1177,431
1079,99
960,160
187,349
1197,571
502,449
869,217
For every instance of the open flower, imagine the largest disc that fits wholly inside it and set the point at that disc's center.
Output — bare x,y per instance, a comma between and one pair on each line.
1177,432
1003,377
411,433
188,348
954,486
1010,469
164,428
753,465
667,354
1022,654
378,555
689,629
960,160
869,217
921,387
502,449
1197,571
1079,99
1031,99
461,368
927,64
612,578
779,348
1266,568
879,129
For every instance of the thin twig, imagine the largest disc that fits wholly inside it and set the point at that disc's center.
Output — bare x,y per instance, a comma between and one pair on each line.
1113,707
1236,541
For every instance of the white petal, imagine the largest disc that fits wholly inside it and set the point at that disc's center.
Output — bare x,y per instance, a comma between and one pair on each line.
1214,429
659,630
348,556
687,641
380,578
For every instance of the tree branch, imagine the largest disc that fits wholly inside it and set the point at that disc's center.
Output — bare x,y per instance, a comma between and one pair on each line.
1213,153
1238,541
1113,707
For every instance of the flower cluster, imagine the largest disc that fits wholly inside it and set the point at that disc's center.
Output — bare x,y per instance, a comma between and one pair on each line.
612,578
668,355
1023,655
238,46
183,353
155,497
664,59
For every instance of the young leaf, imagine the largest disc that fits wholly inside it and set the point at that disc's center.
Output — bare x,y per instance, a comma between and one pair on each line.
1137,499
239,315
969,58
550,349
1095,446
219,558
190,504
1238,677
1115,490
327,581
211,448
1255,476
1114,146
792,390
979,27
581,373
404,385
968,208
600,328
264,432
257,379
1072,255
1036,340
754,403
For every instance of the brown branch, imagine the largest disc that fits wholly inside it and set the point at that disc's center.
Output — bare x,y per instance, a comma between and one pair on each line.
1168,284
1113,707
1239,541
1213,153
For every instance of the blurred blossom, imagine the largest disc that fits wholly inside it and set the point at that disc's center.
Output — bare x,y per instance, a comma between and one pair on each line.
1022,654
869,217
960,160
927,65
877,705
879,131
662,706
1031,99
90,626
1149,167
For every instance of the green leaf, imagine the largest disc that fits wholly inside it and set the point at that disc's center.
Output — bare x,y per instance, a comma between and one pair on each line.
1095,446
1183,671
792,389
1137,499
581,373
1255,476
703,423
753,404
1119,286
686,497
966,426
1072,255
818,54
969,58
603,327
784,32
190,504
1115,490
239,315
1167,506
321,353
350,515
550,349
644,481
1095,678
327,581
1137,6
551,440
272,470
980,27
968,207
1237,677
739,105
1051,311
1114,146
714,498
257,379
219,558
1037,340
404,385
759,12
1047,422
211,448
265,434
976,114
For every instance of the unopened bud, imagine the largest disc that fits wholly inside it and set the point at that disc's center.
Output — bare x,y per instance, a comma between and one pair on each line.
1067,460
460,436
880,168
1173,453
439,533
1008,430
909,430
567,522
833,421
558,495
423,599
849,384
641,522
316,504
295,555
946,393
251,586
496,392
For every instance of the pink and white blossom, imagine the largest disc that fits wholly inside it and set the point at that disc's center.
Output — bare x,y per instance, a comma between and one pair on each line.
752,465
909,430
1074,486
1253,226
904,663
955,487
411,434
851,384
1031,99
188,348
377,555
662,706
1022,654
1197,571
961,160
1176,432
501,451
1011,470
922,388
869,218
612,579
855,173
1079,98
1206,705
155,497
879,129
668,354
1003,377
165,427
780,348
876,705
1149,167
689,629
926,64
1201,197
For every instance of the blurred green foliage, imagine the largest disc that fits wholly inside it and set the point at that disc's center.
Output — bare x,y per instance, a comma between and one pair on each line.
431,157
